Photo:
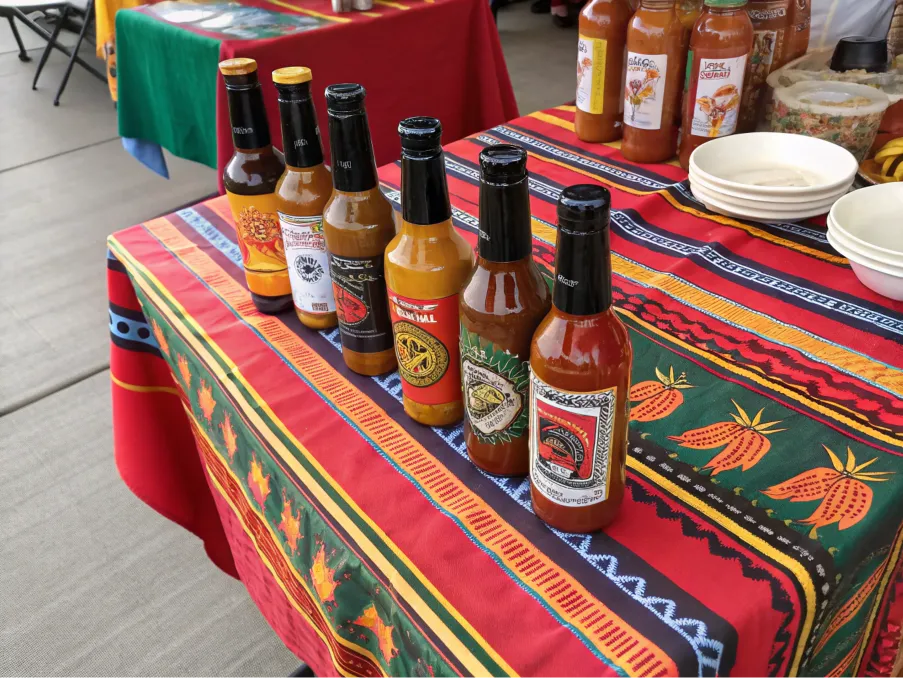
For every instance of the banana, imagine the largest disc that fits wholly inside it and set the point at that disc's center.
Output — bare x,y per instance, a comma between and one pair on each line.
888,161
898,174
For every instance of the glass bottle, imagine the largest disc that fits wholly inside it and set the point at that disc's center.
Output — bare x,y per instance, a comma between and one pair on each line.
600,70
250,179
656,65
580,360
688,11
358,223
503,301
720,44
301,194
426,265
797,40
771,21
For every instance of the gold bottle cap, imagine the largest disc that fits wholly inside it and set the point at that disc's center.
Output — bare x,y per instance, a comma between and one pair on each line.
292,75
239,66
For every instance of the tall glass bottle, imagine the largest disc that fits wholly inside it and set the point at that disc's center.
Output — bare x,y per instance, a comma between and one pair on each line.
600,70
771,23
797,39
720,44
250,179
503,301
580,360
426,265
656,64
301,194
358,224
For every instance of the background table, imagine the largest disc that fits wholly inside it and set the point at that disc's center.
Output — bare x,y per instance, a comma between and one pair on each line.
766,544
415,57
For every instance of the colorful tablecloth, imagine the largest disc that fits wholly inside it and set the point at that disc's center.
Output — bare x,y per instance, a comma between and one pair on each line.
761,529
415,57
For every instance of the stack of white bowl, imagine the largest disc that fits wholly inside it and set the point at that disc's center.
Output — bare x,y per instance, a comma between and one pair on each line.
766,176
866,227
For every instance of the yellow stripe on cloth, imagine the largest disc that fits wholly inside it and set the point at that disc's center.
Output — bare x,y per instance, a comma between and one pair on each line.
879,599
310,12
144,389
388,3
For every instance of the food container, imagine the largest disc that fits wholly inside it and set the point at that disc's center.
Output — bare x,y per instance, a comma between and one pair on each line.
860,53
844,113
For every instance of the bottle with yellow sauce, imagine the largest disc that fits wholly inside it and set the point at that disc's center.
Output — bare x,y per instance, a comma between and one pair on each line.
426,266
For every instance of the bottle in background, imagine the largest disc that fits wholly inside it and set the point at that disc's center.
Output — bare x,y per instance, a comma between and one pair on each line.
301,194
797,40
250,179
720,44
358,224
426,265
656,68
771,24
503,301
688,11
580,360
600,70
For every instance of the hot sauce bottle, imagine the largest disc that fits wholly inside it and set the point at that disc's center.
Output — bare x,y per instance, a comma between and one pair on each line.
797,39
656,64
503,301
720,44
301,194
580,361
250,179
770,20
358,224
600,70
426,265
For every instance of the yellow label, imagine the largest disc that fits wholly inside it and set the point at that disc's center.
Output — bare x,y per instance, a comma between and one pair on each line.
591,54
260,242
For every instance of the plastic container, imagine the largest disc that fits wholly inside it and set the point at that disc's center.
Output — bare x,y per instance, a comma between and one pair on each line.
860,53
843,113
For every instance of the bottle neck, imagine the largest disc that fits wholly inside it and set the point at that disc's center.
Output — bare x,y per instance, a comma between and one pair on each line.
582,272
505,233
250,129
353,165
657,4
300,134
725,10
424,189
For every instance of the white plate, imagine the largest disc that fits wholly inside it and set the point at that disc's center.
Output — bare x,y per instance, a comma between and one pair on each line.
894,264
874,276
716,204
769,163
824,204
873,218
773,199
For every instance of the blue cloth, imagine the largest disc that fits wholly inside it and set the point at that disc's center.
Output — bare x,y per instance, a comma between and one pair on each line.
147,153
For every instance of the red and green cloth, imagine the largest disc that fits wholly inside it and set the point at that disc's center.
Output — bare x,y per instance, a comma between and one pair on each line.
761,529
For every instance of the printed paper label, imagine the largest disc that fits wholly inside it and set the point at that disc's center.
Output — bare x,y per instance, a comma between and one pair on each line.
260,243
644,94
570,443
308,263
359,288
718,92
591,74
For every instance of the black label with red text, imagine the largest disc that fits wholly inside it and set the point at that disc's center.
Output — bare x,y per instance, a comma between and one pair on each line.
361,304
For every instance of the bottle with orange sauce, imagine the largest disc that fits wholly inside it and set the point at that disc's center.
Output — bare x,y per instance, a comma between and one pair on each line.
771,21
600,70
688,11
580,360
720,44
656,63
797,40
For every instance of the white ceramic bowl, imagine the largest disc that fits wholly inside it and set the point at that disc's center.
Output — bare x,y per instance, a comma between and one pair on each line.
715,203
769,199
743,203
769,163
872,217
878,255
885,281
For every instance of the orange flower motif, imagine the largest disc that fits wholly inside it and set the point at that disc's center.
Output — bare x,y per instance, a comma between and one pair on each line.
260,484
206,401
323,577
846,498
229,437
290,525
370,619
159,336
659,398
744,437
184,371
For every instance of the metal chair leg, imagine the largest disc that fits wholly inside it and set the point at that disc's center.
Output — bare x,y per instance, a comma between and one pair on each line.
89,16
23,55
50,43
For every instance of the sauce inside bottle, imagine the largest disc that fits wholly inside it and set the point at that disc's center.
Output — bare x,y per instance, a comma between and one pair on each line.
580,360
301,194
797,39
720,44
426,265
358,224
503,301
656,65
250,179
600,70
771,21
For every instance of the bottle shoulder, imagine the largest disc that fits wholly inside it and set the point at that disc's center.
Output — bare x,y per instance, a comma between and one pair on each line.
252,173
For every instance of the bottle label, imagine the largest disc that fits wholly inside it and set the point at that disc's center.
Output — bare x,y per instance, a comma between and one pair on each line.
260,243
644,94
570,443
308,263
426,344
591,74
718,91
766,45
359,288
496,389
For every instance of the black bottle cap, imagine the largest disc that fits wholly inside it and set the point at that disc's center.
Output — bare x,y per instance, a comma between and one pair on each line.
503,164
505,233
420,136
345,98
584,208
